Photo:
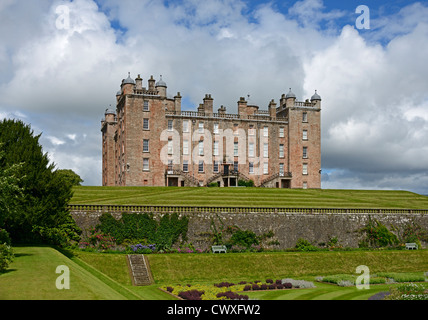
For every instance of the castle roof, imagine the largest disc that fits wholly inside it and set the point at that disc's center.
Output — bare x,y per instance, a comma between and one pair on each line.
290,94
161,83
315,96
129,79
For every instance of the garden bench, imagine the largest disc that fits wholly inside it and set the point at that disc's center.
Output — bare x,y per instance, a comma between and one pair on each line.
218,249
411,246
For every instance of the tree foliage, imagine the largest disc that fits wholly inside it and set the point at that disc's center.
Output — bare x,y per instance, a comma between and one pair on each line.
37,197
70,177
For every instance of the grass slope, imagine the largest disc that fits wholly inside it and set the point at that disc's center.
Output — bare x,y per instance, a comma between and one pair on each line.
95,276
234,267
253,197
32,276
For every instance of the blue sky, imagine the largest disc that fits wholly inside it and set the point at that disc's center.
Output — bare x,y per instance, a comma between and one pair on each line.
373,82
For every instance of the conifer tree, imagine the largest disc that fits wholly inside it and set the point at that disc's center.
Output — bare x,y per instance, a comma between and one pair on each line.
41,212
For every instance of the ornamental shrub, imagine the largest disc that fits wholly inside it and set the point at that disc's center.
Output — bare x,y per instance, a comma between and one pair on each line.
6,256
377,235
287,285
191,294
305,245
4,237
245,238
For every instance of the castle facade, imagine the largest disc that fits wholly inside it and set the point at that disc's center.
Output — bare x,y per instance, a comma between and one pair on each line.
149,141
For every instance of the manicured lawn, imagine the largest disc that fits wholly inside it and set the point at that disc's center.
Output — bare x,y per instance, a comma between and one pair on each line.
97,276
32,277
321,292
235,267
249,197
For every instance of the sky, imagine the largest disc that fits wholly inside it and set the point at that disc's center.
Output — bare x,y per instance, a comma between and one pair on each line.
62,63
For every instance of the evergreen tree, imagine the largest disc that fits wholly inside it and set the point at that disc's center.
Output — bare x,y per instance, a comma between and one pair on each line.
41,213
69,176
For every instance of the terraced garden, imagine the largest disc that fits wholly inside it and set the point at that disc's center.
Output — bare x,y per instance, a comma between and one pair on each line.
102,276
248,197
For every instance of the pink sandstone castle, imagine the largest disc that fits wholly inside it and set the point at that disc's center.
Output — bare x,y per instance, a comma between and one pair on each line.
149,141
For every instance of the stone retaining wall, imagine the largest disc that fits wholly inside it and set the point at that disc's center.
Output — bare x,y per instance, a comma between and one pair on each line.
287,227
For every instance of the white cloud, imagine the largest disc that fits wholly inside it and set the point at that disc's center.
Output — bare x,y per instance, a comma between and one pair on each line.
375,103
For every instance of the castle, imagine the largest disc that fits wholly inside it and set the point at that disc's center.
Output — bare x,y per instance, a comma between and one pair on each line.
149,141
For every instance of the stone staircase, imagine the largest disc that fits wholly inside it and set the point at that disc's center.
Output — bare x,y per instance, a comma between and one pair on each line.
139,269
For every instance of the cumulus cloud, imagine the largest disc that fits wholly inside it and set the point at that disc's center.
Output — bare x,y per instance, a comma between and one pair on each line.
373,84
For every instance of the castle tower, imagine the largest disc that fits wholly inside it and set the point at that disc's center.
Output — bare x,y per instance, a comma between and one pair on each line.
128,85
108,129
304,143
161,87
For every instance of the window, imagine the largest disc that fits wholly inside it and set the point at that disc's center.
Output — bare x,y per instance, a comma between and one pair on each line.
201,147
146,145
235,149
201,127
235,128
170,125
185,147
251,167
186,126
305,134
215,151
215,169
170,149
305,168
251,130
146,164
281,132
201,166
305,117
305,185
185,166
170,167
305,152
265,150
235,166
251,149
146,105
215,130
265,131
145,124
281,169
265,167
281,151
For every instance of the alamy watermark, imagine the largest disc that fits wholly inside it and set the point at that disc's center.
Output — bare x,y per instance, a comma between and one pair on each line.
63,281
363,281
363,20
63,20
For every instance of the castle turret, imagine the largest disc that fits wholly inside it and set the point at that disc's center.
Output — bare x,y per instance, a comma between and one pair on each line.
290,99
128,85
316,99
161,87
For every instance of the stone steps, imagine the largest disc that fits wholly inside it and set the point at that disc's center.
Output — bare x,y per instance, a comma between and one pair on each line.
140,270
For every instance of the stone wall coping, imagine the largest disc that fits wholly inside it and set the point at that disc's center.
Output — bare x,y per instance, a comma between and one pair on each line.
219,209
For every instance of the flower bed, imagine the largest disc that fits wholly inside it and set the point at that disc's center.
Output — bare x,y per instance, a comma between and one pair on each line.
230,290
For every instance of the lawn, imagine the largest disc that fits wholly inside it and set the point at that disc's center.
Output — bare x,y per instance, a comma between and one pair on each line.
32,276
97,276
249,197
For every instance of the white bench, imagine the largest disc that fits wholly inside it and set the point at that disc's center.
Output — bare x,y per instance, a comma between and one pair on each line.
411,246
218,249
